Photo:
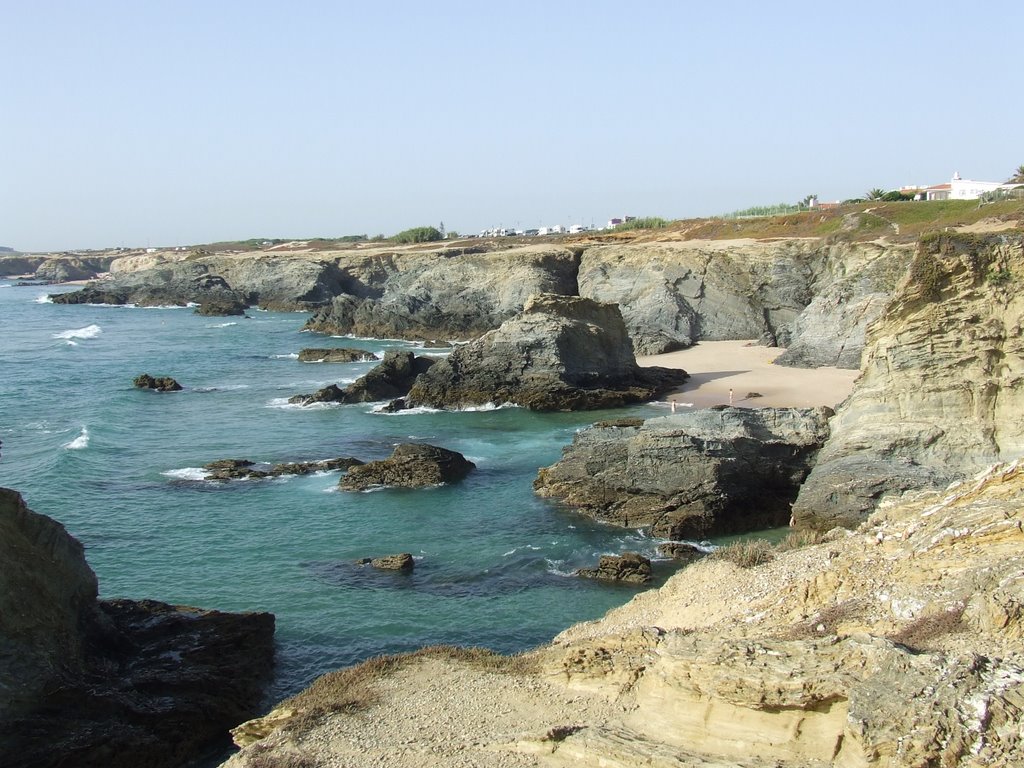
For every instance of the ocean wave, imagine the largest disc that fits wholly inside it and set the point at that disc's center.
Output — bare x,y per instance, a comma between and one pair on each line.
289,356
89,332
187,473
5,285
558,567
221,388
419,409
222,325
43,299
282,403
79,443
512,551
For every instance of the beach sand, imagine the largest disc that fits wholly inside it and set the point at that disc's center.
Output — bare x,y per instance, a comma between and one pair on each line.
716,367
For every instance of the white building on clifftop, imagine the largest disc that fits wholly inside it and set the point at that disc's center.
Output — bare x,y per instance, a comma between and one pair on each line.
960,189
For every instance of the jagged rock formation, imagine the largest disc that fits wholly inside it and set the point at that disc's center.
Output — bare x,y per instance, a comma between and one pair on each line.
899,645
393,378
560,353
117,683
243,469
340,355
271,282
627,568
940,393
696,473
159,383
458,293
411,465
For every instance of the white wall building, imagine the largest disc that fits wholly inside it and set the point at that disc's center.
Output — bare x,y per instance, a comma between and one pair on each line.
961,189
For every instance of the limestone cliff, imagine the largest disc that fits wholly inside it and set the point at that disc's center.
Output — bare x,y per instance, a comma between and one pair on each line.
940,393
900,644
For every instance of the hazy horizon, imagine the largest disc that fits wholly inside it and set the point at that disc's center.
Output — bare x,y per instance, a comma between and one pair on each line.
174,124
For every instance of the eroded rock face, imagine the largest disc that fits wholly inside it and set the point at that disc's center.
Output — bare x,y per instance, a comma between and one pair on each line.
561,353
411,465
391,379
457,293
692,474
117,683
940,392
159,383
627,568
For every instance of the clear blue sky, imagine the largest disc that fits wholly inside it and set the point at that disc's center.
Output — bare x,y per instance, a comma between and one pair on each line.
166,123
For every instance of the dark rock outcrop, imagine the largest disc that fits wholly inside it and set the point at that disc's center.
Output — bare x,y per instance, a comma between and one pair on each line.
560,353
221,308
241,469
627,568
392,378
341,355
714,471
411,465
175,284
681,551
118,683
159,383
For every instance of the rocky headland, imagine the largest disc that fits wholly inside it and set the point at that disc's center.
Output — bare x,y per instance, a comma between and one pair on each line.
559,353
89,683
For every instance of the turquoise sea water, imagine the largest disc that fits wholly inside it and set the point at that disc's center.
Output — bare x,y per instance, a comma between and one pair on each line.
119,468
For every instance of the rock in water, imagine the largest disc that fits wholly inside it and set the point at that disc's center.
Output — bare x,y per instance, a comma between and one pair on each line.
714,471
391,379
628,568
118,683
221,308
341,355
159,383
400,562
562,353
939,396
412,465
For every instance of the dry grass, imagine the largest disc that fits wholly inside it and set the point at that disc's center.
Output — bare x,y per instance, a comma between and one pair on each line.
827,621
746,554
799,539
919,634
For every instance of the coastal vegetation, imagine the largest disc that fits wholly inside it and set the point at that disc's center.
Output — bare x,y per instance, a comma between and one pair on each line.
418,235
643,222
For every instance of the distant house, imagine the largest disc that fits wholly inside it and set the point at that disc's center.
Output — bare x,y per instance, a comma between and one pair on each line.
961,189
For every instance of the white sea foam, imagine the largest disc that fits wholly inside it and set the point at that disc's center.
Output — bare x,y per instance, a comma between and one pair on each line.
5,285
89,332
221,388
79,443
290,356
557,567
43,299
516,549
379,408
187,473
282,402
222,325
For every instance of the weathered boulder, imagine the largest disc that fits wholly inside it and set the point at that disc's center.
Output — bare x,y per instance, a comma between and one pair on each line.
116,683
411,465
392,378
714,471
940,395
159,383
560,353
627,568
340,355
683,551
458,293
241,469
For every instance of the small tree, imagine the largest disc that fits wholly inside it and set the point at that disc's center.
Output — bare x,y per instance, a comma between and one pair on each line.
1018,176
418,235
874,194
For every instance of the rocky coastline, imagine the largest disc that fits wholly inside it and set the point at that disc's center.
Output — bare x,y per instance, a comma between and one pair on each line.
893,638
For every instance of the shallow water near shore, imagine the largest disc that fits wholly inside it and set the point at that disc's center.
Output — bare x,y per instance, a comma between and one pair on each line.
120,468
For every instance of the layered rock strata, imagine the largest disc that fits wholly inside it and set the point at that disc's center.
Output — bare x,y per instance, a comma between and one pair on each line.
411,465
941,388
901,644
116,683
691,474
560,353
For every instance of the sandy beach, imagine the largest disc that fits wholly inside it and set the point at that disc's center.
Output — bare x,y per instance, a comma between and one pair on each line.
742,367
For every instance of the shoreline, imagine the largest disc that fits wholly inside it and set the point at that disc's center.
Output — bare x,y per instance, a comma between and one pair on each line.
743,367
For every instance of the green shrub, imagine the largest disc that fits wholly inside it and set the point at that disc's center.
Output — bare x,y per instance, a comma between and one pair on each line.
645,222
418,235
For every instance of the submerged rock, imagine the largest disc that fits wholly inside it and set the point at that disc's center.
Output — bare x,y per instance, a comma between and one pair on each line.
399,562
560,353
159,383
117,683
392,378
240,469
340,355
628,568
714,471
412,465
